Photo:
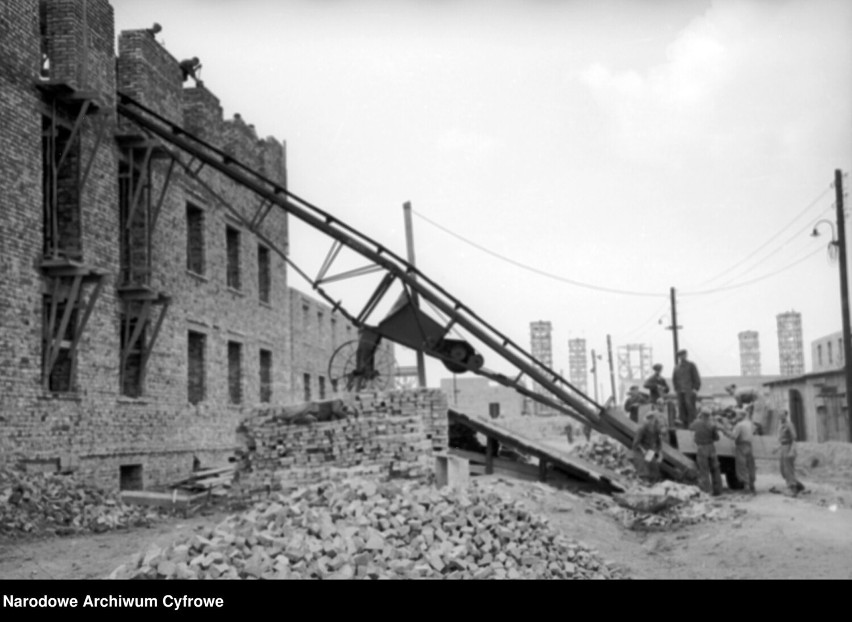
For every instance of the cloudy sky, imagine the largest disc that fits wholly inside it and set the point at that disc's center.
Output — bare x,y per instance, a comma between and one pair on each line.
566,161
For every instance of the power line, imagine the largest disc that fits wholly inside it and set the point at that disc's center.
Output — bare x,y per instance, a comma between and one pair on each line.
756,280
770,240
549,275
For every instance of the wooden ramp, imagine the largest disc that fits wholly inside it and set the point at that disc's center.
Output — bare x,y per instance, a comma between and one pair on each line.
546,455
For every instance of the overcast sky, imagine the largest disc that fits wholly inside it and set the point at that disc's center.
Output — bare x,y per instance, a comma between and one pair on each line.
627,146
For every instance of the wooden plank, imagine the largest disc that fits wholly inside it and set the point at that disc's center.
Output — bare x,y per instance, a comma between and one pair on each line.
571,464
161,499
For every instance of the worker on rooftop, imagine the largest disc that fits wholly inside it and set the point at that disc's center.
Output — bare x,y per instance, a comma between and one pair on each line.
706,435
648,449
191,68
742,435
687,382
656,384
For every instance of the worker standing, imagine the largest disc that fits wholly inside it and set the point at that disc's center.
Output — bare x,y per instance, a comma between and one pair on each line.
635,399
787,447
706,435
742,435
656,384
648,449
687,382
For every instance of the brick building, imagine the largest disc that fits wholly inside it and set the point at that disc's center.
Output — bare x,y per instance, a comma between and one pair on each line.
139,316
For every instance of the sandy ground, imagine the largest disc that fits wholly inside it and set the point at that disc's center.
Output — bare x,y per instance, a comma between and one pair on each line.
779,537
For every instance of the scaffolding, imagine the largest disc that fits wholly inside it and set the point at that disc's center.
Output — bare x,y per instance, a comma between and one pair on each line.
790,351
749,353
541,347
578,371
634,365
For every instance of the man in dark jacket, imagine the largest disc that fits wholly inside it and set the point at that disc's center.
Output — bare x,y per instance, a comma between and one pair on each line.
656,384
687,382
706,435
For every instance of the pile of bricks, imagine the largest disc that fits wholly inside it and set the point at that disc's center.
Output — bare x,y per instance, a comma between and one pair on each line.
610,454
40,504
665,506
393,434
362,529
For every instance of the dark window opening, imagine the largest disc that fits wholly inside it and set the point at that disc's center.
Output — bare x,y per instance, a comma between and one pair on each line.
265,375
232,241
196,373
131,381
321,387
235,372
130,477
194,239
61,186
307,387
60,379
264,276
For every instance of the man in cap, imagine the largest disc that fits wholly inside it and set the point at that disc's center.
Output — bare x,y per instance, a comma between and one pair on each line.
656,384
706,435
648,448
787,447
687,382
191,68
635,399
742,435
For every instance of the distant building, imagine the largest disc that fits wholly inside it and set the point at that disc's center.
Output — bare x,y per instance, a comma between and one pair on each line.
541,347
816,403
790,351
578,371
749,353
827,352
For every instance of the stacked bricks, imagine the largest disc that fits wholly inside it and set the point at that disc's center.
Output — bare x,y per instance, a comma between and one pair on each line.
392,434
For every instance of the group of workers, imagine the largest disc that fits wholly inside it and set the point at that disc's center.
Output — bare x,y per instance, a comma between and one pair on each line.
648,439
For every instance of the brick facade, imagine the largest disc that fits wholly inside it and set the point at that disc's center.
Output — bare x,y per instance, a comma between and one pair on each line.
105,421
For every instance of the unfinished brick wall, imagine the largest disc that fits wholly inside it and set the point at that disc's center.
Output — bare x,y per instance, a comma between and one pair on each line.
394,433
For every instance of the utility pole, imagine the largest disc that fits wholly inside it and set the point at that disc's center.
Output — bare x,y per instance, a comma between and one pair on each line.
674,325
595,372
611,369
844,295
415,298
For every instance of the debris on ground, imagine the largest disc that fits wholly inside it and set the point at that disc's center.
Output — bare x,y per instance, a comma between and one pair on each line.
45,504
665,506
364,529
608,453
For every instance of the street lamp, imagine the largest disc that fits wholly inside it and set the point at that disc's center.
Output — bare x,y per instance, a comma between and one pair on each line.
838,243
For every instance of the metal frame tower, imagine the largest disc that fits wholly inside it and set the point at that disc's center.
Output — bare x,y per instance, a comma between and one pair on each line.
578,371
749,353
790,351
541,347
634,365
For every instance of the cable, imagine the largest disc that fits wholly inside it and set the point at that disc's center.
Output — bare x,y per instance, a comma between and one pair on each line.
536,270
765,244
756,280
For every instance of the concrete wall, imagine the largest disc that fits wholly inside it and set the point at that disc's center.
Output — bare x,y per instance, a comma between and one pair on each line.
823,403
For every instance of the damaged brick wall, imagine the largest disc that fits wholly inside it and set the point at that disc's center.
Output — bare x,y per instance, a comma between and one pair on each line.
93,427
390,433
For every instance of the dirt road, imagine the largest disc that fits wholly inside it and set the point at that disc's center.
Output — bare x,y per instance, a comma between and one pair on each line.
778,537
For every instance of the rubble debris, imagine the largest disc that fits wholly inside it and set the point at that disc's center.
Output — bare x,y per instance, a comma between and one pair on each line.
42,504
366,529
607,453
664,506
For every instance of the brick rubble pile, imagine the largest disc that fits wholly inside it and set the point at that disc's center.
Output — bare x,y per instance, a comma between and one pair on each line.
392,434
608,453
39,504
363,529
666,505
